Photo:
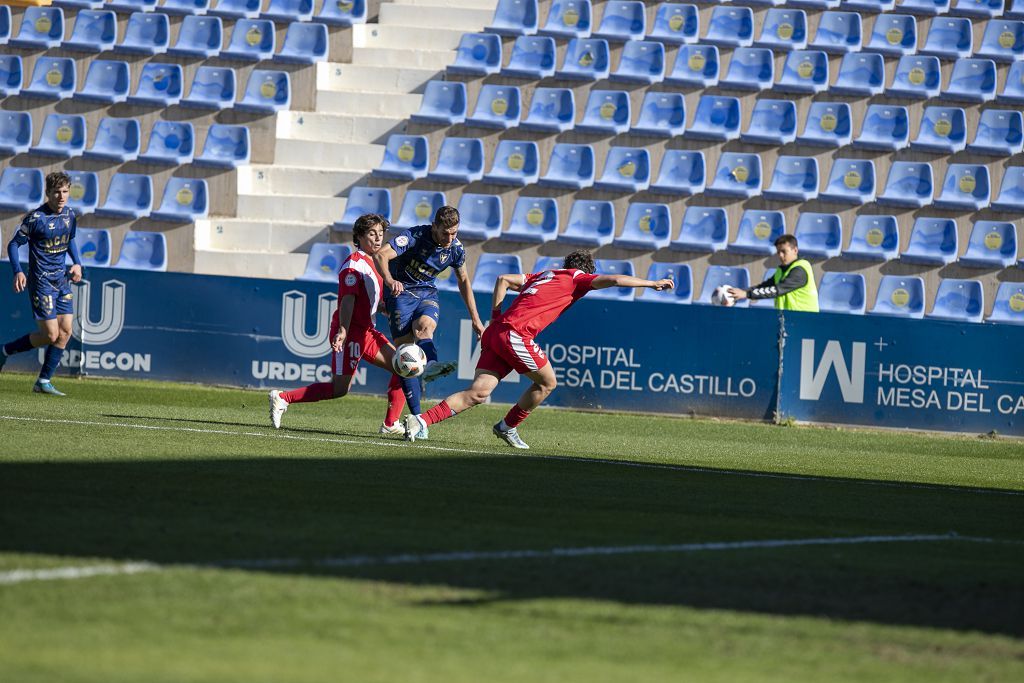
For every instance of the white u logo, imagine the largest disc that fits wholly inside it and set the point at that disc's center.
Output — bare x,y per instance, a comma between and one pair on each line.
293,324
111,320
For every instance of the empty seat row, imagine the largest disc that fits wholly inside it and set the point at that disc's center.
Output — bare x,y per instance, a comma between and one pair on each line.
140,250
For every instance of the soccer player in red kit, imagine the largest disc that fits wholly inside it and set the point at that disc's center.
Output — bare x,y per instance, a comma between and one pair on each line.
508,342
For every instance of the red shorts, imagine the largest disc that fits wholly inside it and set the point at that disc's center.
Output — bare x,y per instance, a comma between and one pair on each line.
359,344
503,350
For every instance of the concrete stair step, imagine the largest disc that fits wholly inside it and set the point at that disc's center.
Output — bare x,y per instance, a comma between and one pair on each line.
293,180
367,104
405,36
250,264
363,78
334,156
426,16
398,57
338,127
258,236
324,210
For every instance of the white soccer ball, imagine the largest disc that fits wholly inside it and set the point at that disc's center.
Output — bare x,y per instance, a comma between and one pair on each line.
409,361
722,297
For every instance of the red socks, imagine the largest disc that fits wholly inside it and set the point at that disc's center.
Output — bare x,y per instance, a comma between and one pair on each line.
396,400
439,412
515,416
311,394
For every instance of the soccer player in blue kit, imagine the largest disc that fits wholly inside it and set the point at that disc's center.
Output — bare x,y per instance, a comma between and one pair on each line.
409,264
49,232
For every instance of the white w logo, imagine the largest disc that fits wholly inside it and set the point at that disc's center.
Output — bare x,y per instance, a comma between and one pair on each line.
111,320
812,380
293,324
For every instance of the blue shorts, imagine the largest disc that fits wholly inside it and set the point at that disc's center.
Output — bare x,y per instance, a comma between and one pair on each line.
404,309
50,296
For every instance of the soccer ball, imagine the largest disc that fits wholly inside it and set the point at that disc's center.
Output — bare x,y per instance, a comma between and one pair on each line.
722,297
409,361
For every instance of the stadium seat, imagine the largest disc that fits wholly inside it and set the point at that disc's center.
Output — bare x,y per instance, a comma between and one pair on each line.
53,78
252,40
805,71
641,61
842,293
928,8
93,247
757,232
480,216
83,195
614,267
983,9
305,43
586,59
1003,41
704,229
1015,10
106,81
15,132
94,31
716,276
773,122
972,80
63,136
266,92
129,195
5,26
21,189
838,32
160,85
199,37
814,4
185,6
568,19
992,244
516,163
874,238
626,169
942,130
570,166
418,208
1012,93
860,74
662,114
795,179
447,281
949,38
116,140
910,183
682,172
820,234
1009,304
226,146
675,24
737,175
828,125
783,29
591,223
606,111
1000,133
730,27
41,28
492,266
682,279
916,77
959,301
893,35
362,200
885,127
405,157
478,54
459,160
342,13
716,118
534,219
324,262
497,106
622,20
551,110
514,18
146,34
695,66
933,241
900,296
132,5
171,143
213,87
751,68
966,186
851,181
1011,191
11,75
184,200
870,5
647,227
443,102
532,57
237,9
289,10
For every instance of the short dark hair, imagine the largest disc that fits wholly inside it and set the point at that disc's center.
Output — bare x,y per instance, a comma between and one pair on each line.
365,223
580,260
787,239
57,179
446,217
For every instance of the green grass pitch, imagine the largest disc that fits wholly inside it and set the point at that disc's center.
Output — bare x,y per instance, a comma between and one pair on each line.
619,548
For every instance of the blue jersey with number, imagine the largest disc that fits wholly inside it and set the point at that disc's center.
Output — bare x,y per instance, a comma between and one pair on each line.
419,259
49,236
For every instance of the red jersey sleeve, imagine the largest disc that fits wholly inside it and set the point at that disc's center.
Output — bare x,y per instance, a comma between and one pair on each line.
350,281
584,283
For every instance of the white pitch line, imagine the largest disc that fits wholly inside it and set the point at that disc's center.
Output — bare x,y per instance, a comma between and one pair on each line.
393,443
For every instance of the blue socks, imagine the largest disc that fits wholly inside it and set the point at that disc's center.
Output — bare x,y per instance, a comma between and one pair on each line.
429,349
50,362
19,345
411,387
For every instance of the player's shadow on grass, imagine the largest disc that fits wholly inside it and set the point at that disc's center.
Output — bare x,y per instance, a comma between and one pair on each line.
209,511
361,435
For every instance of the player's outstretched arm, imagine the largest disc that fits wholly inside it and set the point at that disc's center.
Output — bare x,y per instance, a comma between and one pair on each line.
501,287
382,260
466,292
606,281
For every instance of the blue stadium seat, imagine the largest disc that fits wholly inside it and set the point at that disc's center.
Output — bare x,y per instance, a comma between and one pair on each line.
497,106
491,266
1009,304
552,110
63,136
199,37
984,9
910,183
622,20
5,24
266,92
751,68
405,157
93,247
171,143
716,276
626,169
662,114
363,200
614,267
586,59
1003,41
460,160
943,130
917,77
730,27
143,251
682,279
516,163
591,223
900,296
928,8
682,172
757,232
814,4
874,238
11,75
185,6
146,34
226,146
607,111
570,166
76,4
838,32
773,122
184,200
949,38
1000,133
252,40
514,18
84,193
933,241
870,5
129,195
237,9
1011,191
893,35
959,300
992,244
1012,93
418,208
828,125
1015,10
132,5
885,127
820,234
675,24
972,80
738,175
647,227
783,29
966,186
41,28
324,262
805,71
642,61
860,74
21,189
851,181
795,179
704,229
716,118
447,281
289,10
305,43
343,13
842,293
53,78
94,31
532,57
106,81
695,65
116,140
568,19
443,102
534,219
478,54
160,85
213,87
15,132
480,216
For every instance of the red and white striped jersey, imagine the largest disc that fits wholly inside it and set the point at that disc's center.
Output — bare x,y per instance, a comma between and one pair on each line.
359,277
543,297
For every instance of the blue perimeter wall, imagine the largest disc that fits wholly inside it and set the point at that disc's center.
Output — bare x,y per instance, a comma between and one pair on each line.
650,357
